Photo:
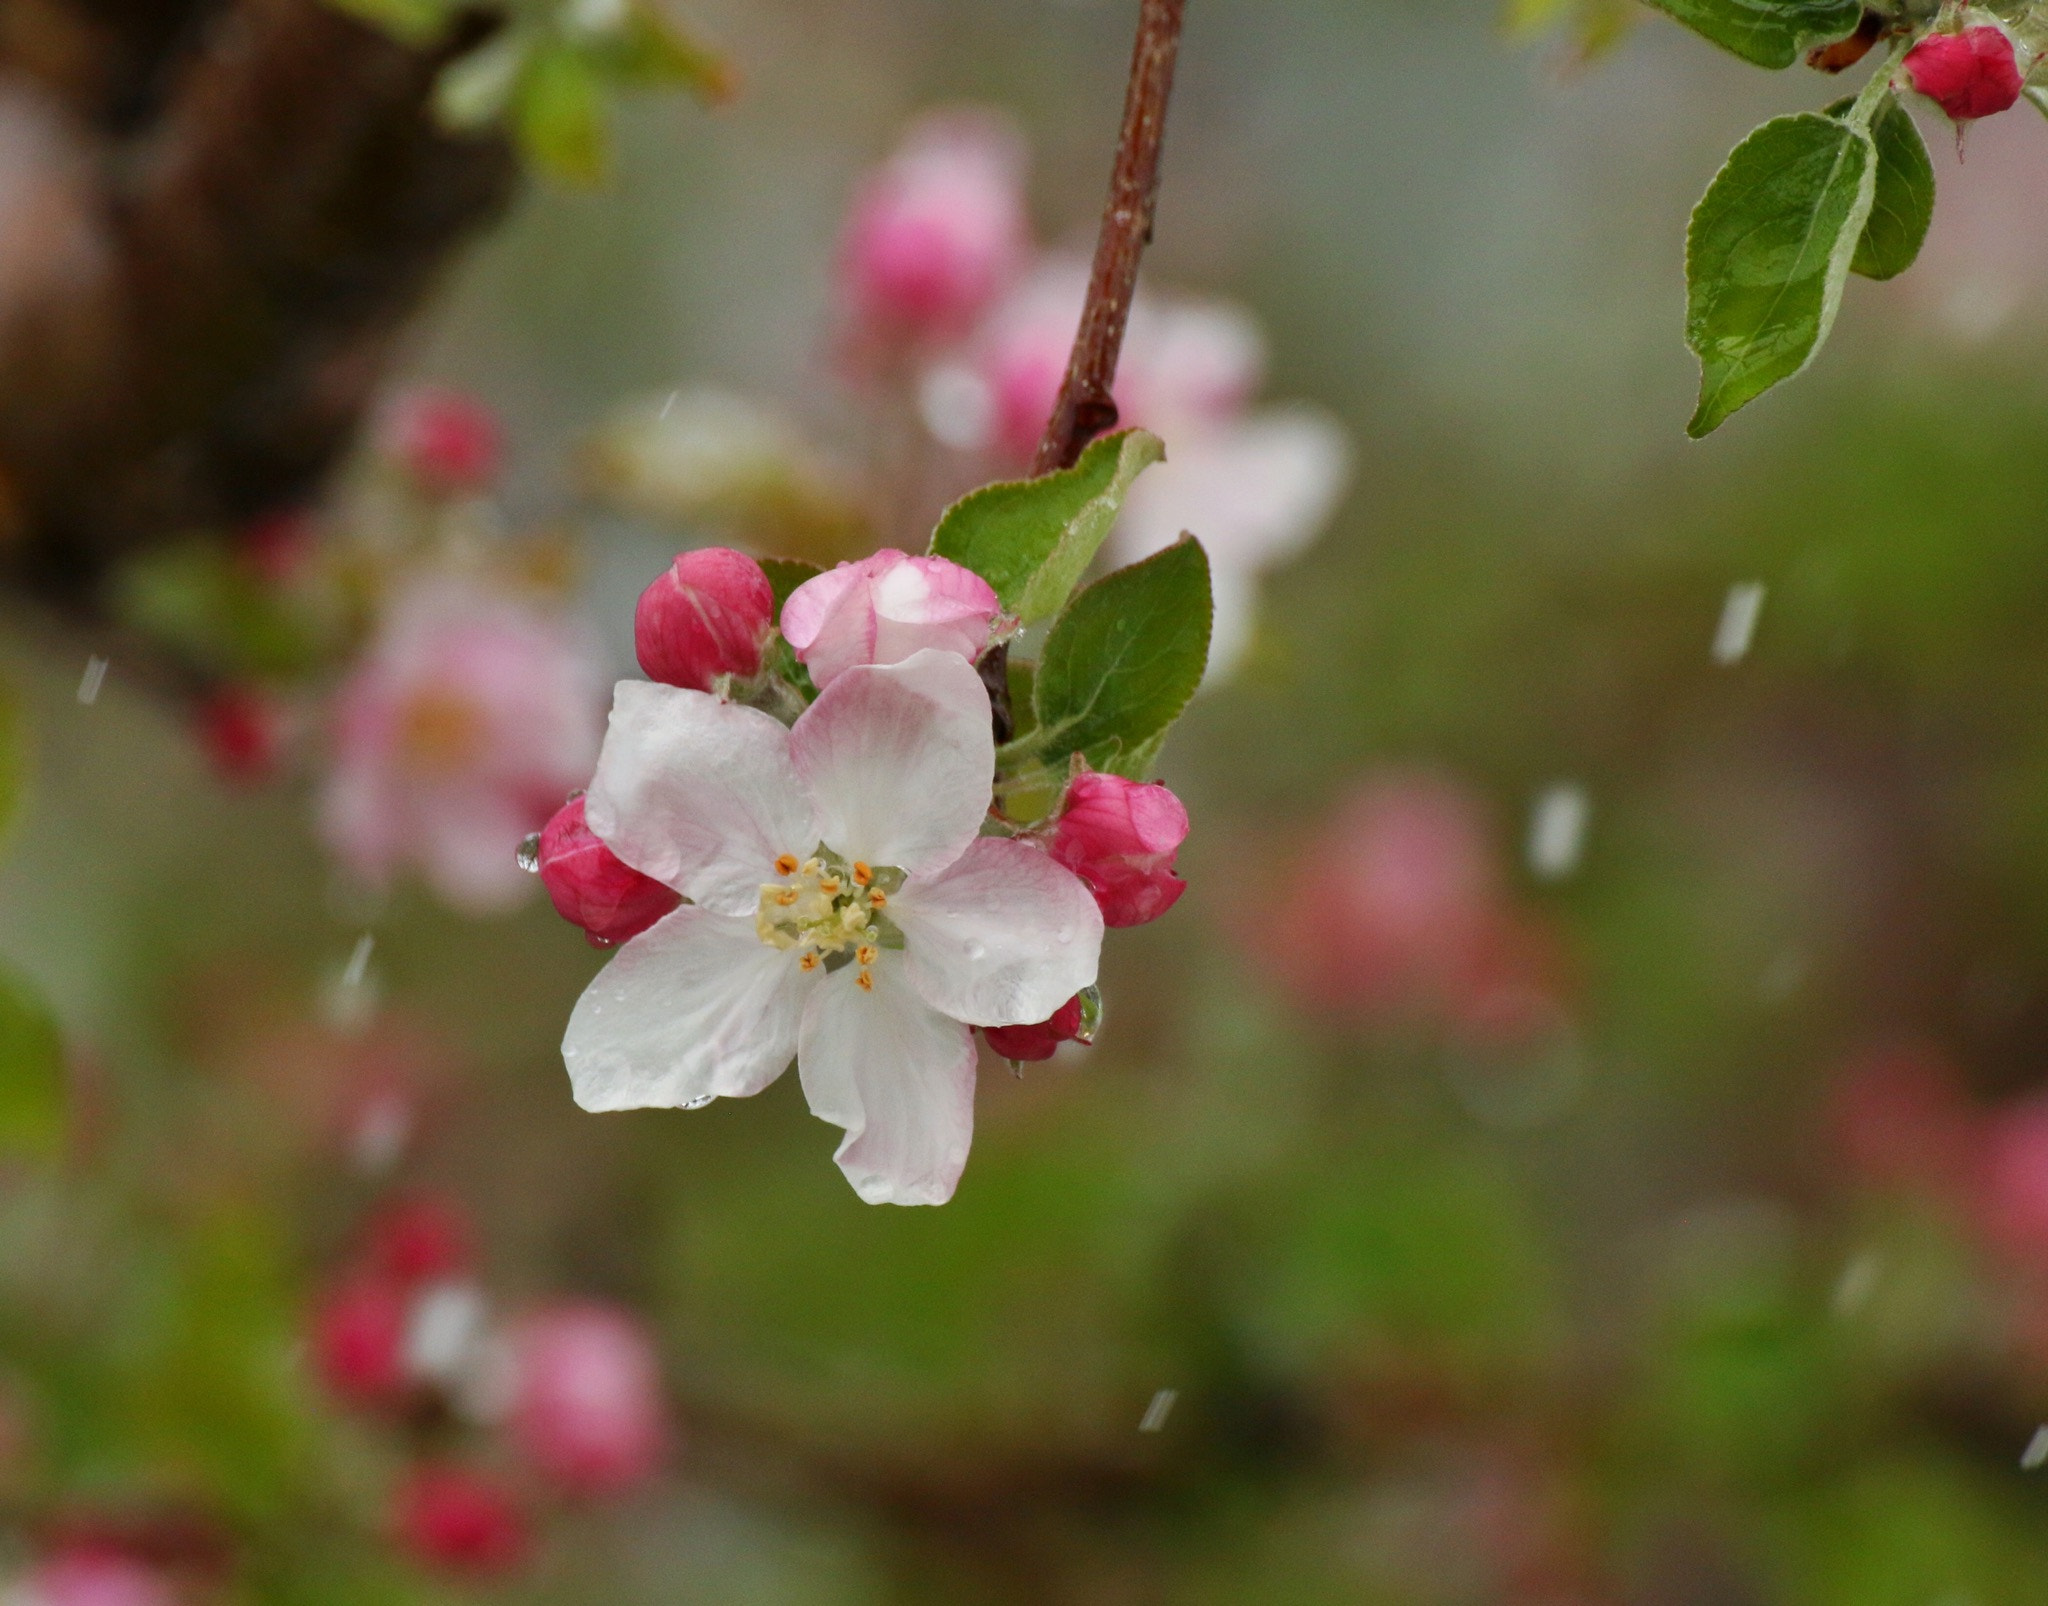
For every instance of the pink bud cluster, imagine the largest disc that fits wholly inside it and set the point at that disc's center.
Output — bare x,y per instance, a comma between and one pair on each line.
575,1387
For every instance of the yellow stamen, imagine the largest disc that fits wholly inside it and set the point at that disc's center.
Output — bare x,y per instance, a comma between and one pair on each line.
864,982
862,875
812,867
786,896
866,953
785,864
829,886
878,899
809,961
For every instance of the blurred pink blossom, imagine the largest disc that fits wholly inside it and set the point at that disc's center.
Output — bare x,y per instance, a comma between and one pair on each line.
1120,837
935,233
1901,1117
466,723
358,1339
587,1406
93,1577
706,615
458,1521
884,608
448,441
2013,1184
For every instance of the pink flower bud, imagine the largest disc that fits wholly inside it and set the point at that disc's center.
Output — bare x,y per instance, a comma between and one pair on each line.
93,1577
936,233
358,1340
446,440
461,1522
1969,74
884,608
587,1400
1120,837
241,732
421,1239
592,886
1037,1042
706,617
2014,1180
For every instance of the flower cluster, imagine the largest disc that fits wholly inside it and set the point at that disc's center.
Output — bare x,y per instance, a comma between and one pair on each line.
406,1335
846,889
937,275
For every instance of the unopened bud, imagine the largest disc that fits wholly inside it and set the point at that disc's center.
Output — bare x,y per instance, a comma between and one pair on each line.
1969,74
707,616
592,886
1120,837
1039,1041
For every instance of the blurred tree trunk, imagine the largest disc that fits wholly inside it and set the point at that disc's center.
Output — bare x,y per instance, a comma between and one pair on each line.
215,218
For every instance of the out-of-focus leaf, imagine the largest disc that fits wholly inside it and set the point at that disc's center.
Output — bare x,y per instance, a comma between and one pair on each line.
559,115
414,22
1034,539
13,757
653,49
31,1070
197,598
1767,254
1771,33
475,88
1124,659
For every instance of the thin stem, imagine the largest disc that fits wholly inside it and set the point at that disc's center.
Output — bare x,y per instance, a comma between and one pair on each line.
1085,409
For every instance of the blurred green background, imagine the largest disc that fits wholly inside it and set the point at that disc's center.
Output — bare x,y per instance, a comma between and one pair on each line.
1608,1317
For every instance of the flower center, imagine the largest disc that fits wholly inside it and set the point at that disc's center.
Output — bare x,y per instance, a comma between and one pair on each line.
829,911
440,732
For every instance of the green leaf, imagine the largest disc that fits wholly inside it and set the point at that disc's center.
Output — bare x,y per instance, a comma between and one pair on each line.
785,575
1034,539
1902,206
31,1070
1767,254
1771,33
1124,659
653,50
560,112
197,597
412,22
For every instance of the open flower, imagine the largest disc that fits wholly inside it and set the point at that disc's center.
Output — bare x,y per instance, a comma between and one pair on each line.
884,608
465,725
587,1406
844,910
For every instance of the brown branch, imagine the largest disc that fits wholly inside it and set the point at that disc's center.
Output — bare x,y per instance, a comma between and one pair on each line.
1085,407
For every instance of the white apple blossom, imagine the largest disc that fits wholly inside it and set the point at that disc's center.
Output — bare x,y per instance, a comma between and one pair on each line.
844,909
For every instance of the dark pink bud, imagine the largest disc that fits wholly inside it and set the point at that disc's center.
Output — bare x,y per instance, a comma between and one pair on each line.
421,1239
1968,74
587,1401
708,616
358,1340
592,886
1120,837
458,1521
1037,1042
447,441
241,732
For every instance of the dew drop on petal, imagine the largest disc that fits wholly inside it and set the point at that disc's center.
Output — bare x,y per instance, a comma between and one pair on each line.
699,1101
529,854
975,950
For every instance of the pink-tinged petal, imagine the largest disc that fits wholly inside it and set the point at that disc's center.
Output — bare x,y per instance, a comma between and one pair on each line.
467,839
1190,362
587,1406
1255,493
898,1077
698,793
898,760
1001,937
884,608
698,1007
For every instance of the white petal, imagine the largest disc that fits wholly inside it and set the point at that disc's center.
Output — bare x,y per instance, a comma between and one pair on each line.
695,1007
698,793
1003,937
898,1076
898,760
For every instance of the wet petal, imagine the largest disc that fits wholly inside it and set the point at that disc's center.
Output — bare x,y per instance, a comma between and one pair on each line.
1002,937
898,1077
898,760
696,1007
698,793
